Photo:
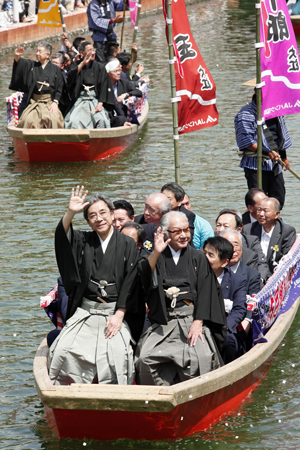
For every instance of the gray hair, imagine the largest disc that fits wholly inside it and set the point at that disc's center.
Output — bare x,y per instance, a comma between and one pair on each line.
59,56
46,45
275,202
94,199
165,220
228,230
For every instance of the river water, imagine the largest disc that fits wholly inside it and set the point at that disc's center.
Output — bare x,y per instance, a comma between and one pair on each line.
34,197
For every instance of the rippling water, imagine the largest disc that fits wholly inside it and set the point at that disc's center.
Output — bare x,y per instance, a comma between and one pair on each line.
34,197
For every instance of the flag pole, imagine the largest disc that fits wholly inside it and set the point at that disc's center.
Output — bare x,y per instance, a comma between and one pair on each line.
258,97
123,23
135,29
62,17
173,92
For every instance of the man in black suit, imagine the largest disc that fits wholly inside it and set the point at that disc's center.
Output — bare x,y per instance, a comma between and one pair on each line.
252,254
156,205
219,252
237,266
122,90
276,237
252,200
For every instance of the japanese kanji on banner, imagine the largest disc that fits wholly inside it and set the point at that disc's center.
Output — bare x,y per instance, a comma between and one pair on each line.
133,8
195,86
48,14
279,61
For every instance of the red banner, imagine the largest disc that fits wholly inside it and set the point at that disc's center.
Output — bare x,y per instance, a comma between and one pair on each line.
195,86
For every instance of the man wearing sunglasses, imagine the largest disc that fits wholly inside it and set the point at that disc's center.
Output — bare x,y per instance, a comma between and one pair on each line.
186,309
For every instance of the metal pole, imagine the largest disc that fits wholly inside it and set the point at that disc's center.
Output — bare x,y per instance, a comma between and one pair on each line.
136,29
258,99
173,93
62,17
15,11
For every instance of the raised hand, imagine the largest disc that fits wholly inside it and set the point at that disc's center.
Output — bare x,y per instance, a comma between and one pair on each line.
159,240
18,52
77,200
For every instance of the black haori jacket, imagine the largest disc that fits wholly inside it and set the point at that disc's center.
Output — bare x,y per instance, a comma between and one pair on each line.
25,76
208,297
75,262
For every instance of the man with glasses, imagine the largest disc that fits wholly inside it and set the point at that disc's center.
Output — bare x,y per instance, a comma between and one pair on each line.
186,309
99,273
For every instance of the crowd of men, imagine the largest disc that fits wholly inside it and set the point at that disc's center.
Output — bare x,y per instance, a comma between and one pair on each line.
159,297
72,89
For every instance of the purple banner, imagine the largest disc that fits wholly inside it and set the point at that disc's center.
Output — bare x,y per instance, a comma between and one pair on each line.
279,294
280,65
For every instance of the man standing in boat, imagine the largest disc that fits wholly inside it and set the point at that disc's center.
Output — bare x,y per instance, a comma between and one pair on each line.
92,92
99,273
275,137
186,309
101,21
42,81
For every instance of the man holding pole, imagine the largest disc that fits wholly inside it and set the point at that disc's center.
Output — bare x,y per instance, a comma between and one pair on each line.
275,141
101,20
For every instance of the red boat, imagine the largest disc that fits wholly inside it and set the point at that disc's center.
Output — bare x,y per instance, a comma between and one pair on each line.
109,412
64,145
296,24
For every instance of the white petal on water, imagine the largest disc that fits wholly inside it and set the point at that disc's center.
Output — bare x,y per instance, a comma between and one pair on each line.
239,414
293,365
181,418
146,401
283,345
84,444
251,425
283,381
190,396
272,392
279,421
236,437
83,374
282,370
15,334
226,424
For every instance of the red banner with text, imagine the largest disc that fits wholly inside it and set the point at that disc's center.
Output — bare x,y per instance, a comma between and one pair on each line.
195,87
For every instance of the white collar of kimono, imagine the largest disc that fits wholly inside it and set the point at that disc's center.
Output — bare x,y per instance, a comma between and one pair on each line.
105,242
175,255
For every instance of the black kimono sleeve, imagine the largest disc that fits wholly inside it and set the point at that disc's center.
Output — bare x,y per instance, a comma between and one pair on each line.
20,72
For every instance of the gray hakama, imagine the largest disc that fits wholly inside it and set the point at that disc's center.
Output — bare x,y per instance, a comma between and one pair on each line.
164,357
82,115
81,350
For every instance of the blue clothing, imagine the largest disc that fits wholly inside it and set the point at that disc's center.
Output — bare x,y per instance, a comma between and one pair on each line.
245,123
98,22
203,230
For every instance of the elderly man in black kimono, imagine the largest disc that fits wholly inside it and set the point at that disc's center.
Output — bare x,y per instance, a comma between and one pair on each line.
93,97
42,81
99,273
186,309
122,90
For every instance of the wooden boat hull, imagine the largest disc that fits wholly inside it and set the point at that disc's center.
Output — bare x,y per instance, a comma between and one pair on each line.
61,145
109,412
296,24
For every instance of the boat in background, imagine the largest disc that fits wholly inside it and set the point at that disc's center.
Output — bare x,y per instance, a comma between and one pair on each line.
66,145
109,412
296,24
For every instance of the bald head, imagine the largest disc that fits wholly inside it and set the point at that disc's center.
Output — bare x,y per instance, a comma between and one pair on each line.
156,206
